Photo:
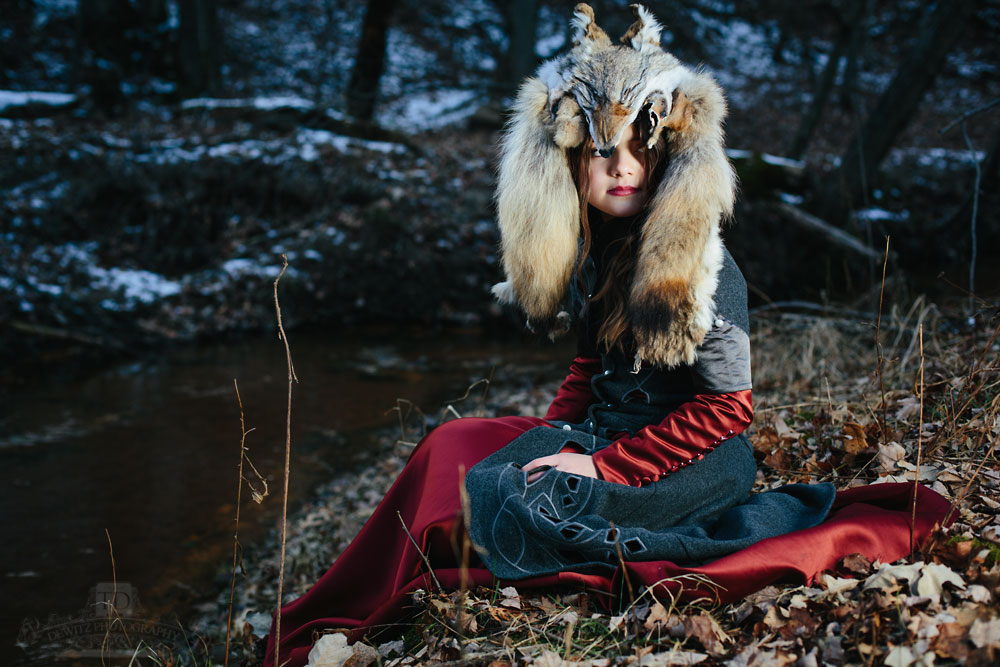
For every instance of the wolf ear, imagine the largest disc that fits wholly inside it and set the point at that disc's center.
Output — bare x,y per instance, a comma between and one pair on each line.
585,28
645,32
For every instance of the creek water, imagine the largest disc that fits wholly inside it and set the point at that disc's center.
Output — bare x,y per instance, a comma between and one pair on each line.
148,451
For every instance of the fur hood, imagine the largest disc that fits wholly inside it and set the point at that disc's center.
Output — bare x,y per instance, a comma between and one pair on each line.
599,88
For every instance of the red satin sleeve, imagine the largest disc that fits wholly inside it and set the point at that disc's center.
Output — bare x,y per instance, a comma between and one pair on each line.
575,395
683,437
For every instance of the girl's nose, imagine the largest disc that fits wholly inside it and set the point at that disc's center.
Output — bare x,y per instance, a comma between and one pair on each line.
622,163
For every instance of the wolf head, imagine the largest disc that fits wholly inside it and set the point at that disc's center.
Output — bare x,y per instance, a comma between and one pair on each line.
612,84
598,89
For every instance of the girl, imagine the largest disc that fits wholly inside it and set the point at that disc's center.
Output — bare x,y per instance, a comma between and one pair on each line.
613,182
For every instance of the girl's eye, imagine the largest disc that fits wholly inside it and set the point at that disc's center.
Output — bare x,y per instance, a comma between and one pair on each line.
596,153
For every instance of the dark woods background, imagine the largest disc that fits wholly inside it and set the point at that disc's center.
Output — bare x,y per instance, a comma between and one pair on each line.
194,141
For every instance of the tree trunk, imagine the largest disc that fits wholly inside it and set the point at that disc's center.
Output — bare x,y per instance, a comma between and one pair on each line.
939,31
522,24
369,64
102,49
821,94
20,18
199,40
856,46
810,121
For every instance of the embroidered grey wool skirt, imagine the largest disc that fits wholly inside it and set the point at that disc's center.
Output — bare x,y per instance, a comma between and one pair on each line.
564,521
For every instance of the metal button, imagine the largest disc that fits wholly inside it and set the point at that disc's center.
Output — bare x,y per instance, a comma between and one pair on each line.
718,322
567,427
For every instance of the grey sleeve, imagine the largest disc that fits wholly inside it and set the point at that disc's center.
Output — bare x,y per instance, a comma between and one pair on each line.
723,363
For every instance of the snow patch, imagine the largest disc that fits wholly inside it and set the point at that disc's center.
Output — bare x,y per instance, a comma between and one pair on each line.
137,285
309,137
879,214
262,103
779,161
16,99
430,110
243,266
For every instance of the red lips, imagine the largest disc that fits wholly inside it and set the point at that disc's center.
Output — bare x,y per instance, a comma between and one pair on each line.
622,191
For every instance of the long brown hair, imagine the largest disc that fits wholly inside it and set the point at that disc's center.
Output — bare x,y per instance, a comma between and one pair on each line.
612,295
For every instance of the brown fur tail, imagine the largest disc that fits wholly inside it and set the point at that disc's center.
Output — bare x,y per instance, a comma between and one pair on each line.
670,304
537,207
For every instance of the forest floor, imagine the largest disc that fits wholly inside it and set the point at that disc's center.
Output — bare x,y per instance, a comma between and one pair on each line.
830,406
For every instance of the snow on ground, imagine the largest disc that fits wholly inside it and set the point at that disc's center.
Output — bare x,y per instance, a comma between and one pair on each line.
304,146
431,110
18,98
938,158
782,161
876,214
261,103
308,137
135,285
127,288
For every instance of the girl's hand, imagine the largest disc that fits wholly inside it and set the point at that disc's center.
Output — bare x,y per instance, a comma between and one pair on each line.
577,464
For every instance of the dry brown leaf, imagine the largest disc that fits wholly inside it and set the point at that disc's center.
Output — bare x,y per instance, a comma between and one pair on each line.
908,408
707,630
800,624
673,657
889,456
767,439
657,614
784,431
778,460
985,634
773,620
951,641
364,655
854,438
510,598
855,564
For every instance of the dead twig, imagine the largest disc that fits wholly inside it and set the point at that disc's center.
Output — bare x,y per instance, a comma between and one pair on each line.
422,555
288,450
878,347
920,443
236,530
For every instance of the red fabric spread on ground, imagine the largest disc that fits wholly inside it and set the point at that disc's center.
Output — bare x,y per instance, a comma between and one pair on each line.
369,585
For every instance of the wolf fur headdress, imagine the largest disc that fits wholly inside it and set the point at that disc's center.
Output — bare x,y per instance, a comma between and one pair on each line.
600,88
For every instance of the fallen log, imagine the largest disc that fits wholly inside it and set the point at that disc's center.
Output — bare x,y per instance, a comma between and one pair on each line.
833,234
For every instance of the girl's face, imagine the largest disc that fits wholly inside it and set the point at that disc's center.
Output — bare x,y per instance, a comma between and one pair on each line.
618,183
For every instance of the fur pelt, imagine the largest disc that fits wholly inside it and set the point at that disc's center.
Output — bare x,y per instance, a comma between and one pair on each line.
599,89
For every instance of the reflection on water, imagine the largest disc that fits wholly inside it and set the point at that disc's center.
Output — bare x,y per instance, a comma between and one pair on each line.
149,451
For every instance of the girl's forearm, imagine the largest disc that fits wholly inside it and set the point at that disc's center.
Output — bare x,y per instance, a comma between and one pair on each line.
683,437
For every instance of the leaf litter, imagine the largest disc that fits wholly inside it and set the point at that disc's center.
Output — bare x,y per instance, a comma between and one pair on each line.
828,421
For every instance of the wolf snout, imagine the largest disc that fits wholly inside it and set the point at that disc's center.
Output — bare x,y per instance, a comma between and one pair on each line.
606,152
